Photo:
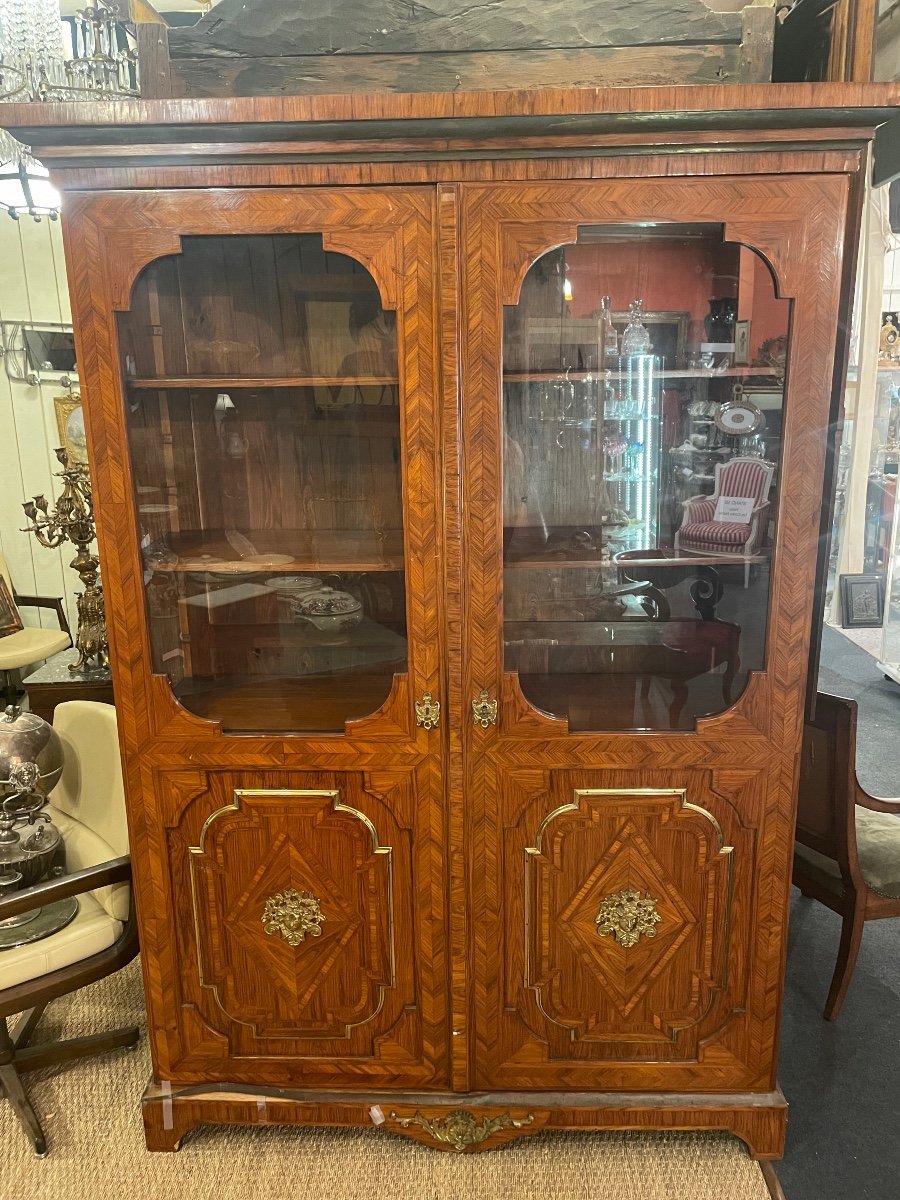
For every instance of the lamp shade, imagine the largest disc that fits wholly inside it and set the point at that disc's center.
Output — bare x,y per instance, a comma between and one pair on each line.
25,189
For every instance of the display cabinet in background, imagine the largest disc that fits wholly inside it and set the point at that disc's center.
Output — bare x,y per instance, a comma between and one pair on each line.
459,464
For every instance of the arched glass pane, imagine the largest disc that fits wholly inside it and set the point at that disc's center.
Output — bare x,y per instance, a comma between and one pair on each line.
263,413
643,386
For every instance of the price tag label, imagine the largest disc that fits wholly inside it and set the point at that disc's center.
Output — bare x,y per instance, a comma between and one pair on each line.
737,509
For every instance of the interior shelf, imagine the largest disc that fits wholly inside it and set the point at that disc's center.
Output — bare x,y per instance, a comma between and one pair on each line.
322,552
686,373
260,381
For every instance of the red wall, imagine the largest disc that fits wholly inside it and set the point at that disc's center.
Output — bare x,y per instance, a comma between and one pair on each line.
671,275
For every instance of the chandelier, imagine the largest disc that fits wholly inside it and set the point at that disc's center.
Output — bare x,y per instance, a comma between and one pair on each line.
34,64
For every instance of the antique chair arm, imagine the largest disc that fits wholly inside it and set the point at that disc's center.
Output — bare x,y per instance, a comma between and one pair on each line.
117,870
54,602
876,803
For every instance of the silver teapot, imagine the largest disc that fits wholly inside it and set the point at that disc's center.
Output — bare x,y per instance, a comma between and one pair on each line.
31,763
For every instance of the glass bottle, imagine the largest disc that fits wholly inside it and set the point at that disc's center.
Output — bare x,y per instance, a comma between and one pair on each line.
608,338
635,339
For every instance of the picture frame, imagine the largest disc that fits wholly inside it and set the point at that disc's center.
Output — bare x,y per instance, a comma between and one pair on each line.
70,423
741,343
10,621
862,601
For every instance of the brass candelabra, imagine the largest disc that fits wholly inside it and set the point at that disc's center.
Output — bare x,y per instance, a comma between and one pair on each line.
72,519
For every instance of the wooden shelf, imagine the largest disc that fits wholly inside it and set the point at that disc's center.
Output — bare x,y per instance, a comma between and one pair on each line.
261,381
599,376
324,552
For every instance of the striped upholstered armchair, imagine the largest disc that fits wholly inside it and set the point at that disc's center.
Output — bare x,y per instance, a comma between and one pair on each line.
749,478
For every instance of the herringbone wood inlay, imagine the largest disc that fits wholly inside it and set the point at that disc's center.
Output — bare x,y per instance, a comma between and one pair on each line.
695,1019
796,225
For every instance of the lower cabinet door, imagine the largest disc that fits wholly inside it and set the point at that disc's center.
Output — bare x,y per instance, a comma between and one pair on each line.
308,925
621,903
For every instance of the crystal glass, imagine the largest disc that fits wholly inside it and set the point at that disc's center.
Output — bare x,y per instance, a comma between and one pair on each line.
635,339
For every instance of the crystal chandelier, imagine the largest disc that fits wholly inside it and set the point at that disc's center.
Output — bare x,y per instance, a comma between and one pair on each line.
34,64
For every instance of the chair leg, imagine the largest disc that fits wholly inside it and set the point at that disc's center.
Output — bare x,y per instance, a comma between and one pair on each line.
52,1053
21,1032
12,690
15,1094
851,936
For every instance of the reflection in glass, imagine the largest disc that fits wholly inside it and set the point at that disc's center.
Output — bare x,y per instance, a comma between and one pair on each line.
263,412
643,381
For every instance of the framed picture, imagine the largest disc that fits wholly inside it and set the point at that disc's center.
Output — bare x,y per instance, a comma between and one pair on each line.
70,422
10,621
862,601
741,343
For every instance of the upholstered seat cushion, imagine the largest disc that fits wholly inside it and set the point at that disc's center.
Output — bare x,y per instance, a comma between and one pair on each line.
27,646
714,533
92,930
85,848
878,846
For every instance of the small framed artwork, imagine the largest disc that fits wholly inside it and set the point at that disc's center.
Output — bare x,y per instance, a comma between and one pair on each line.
741,343
10,621
70,423
862,601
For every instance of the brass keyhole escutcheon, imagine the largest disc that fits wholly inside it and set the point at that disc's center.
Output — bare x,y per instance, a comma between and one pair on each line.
484,710
428,711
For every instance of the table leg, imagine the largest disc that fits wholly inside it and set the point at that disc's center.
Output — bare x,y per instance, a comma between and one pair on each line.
706,591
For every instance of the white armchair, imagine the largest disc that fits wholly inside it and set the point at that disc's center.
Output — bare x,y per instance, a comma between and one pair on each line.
20,649
88,807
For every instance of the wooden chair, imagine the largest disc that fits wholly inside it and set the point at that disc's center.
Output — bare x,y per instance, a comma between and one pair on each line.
847,850
88,806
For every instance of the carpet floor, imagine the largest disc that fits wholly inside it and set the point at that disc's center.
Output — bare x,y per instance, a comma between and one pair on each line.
90,1112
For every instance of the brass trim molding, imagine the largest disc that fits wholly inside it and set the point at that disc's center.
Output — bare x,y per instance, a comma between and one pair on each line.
194,852
460,1129
574,805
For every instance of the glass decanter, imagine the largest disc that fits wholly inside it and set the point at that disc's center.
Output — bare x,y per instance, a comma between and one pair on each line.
635,339
607,337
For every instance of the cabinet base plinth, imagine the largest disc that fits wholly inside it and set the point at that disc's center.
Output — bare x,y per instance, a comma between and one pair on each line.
465,1122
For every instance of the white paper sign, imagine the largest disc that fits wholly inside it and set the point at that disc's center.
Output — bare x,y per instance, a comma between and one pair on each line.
734,508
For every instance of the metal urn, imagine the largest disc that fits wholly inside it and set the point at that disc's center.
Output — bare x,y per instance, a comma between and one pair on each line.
31,763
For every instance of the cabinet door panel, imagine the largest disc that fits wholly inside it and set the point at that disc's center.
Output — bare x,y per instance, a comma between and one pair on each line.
616,895
262,362
642,514
299,945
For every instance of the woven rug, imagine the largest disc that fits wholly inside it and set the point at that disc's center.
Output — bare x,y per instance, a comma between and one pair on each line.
90,1111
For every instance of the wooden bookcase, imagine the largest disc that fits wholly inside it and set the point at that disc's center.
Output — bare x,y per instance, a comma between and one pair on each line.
510,848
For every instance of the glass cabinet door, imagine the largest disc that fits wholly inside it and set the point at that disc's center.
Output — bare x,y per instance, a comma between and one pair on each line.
643,381
263,410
